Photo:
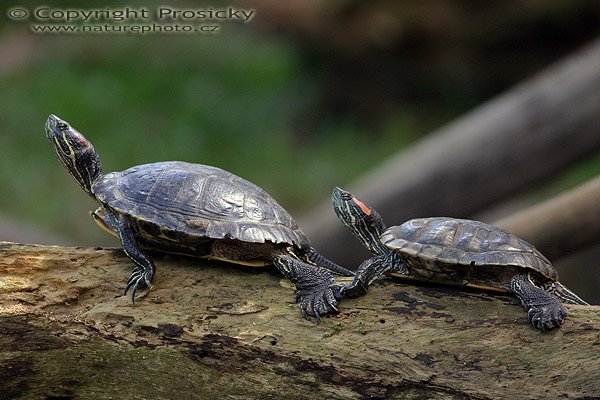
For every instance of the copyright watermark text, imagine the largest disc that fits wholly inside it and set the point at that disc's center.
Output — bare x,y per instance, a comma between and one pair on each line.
45,19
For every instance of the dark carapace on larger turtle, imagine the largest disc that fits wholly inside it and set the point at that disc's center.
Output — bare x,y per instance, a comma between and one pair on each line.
195,210
455,251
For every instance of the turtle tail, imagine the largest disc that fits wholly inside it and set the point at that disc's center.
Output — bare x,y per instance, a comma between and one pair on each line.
565,295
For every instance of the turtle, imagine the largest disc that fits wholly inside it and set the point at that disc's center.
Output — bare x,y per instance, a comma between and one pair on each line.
454,251
195,210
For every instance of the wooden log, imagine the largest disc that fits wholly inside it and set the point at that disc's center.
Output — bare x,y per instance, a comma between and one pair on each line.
510,143
563,224
212,330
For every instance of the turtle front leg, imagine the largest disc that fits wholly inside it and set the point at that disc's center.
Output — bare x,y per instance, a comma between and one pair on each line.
366,273
144,270
544,310
371,270
317,294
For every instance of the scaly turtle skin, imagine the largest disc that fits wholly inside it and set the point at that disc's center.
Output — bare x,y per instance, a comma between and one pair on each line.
195,210
458,252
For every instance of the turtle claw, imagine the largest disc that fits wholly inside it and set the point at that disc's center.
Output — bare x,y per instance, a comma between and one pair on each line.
139,277
317,301
317,293
304,313
546,317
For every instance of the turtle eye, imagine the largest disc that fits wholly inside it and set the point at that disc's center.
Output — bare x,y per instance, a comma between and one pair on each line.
63,126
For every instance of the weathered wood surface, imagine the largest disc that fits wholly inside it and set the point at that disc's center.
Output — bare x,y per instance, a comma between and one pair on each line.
520,138
212,330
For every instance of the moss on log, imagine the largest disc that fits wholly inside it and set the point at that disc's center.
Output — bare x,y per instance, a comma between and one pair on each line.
213,330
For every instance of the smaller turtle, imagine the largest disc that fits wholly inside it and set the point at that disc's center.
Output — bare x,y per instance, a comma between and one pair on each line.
195,210
458,252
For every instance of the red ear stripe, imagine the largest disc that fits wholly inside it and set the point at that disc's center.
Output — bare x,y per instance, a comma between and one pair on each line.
362,206
81,139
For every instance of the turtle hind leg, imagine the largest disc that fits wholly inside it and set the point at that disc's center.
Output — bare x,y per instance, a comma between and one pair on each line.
144,270
317,294
544,309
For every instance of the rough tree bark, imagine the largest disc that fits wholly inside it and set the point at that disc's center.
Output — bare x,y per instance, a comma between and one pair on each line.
506,145
213,330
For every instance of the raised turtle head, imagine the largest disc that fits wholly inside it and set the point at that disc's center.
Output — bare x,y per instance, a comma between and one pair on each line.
364,222
74,151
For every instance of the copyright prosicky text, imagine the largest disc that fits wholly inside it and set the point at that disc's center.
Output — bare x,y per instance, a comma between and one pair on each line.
162,13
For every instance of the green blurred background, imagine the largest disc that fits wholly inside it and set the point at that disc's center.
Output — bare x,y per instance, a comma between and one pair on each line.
305,96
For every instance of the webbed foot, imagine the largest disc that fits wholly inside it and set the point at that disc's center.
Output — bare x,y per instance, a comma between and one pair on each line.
547,316
357,288
317,293
317,301
544,309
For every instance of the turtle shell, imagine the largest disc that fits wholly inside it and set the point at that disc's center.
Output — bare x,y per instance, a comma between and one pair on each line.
445,243
197,201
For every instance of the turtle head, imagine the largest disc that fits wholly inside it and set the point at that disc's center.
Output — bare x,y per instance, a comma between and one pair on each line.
74,151
364,222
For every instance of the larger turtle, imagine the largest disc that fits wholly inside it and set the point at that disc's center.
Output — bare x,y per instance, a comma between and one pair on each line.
455,251
195,210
